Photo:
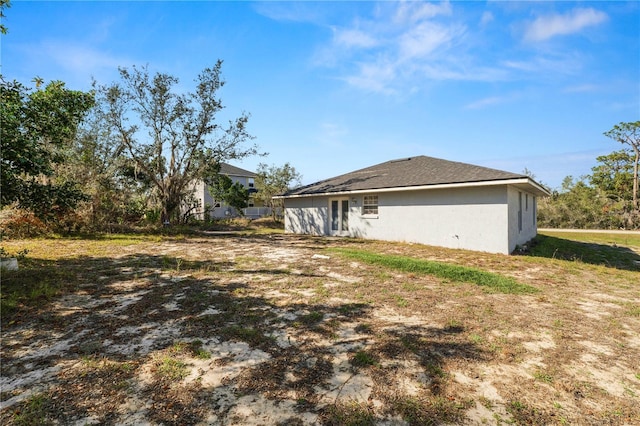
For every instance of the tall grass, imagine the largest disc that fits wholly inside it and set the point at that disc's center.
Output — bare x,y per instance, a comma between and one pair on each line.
455,273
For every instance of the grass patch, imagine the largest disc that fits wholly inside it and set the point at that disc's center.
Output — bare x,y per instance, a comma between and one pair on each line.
633,310
432,411
171,369
454,273
34,411
193,349
349,414
248,335
312,318
543,376
363,359
610,250
34,283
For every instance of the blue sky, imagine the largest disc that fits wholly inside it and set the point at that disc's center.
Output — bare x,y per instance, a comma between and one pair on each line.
336,86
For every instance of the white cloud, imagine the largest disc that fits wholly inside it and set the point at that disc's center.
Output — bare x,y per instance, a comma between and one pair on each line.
353,38
374,77
424,38
73,62
413,11
332,134
566,63
289,11
582,88
546,27
402,47
482,103
487,17
401,41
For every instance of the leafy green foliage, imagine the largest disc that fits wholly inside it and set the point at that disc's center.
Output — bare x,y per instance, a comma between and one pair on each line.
3,4
629,134
614,175
37,130
222,188
175,139
273,180
608,198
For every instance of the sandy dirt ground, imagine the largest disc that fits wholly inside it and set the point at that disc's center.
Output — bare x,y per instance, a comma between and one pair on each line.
280,330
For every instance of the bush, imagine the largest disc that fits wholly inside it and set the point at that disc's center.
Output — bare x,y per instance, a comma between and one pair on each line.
17,223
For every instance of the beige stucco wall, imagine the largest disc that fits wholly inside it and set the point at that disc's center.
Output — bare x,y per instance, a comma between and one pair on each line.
475,218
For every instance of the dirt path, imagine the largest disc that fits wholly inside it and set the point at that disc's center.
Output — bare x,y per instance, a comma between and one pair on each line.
235,330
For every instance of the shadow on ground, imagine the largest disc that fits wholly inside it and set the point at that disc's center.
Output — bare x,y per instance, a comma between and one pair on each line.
149,338
611,256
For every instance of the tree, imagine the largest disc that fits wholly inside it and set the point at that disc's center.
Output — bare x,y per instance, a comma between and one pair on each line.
614,175
37,129
222,188
174,139
629,134
3,4
577,205
118,192
272,181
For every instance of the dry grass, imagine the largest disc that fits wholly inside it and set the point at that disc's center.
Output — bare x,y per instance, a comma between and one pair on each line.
253,329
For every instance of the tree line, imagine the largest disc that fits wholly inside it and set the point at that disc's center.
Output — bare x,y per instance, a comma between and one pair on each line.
123,153
605,199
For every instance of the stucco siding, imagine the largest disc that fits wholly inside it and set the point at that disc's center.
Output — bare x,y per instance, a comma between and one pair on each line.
522,217
309,215
467,218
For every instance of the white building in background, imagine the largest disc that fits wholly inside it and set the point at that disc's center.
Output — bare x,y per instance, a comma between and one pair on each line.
219,209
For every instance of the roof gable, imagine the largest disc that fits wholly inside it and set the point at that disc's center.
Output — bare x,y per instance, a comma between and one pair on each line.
229,170
406,173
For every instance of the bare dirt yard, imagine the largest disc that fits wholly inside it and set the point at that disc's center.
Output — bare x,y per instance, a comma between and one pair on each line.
289,330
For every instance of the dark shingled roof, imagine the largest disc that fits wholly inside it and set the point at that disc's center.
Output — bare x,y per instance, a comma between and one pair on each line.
405,172
229,170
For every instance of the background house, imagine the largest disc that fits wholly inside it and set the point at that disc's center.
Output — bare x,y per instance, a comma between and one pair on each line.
219,209
424,200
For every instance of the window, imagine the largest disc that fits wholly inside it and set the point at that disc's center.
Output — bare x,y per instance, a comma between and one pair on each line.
370,204
250,182
526,202
520,211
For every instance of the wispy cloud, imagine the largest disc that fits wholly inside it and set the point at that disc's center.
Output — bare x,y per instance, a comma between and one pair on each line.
73,62
354,38
411,12
403,44
403,47
289,11
374,77
546,27
332,134
490,101
487,17
563,63
581,88
425,38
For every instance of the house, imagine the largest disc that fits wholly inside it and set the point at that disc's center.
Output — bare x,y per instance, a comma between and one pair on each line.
422,200
219,209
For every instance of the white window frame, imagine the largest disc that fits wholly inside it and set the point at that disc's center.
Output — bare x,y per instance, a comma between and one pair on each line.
370,205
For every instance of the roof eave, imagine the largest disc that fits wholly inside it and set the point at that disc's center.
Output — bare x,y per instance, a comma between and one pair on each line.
523,181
